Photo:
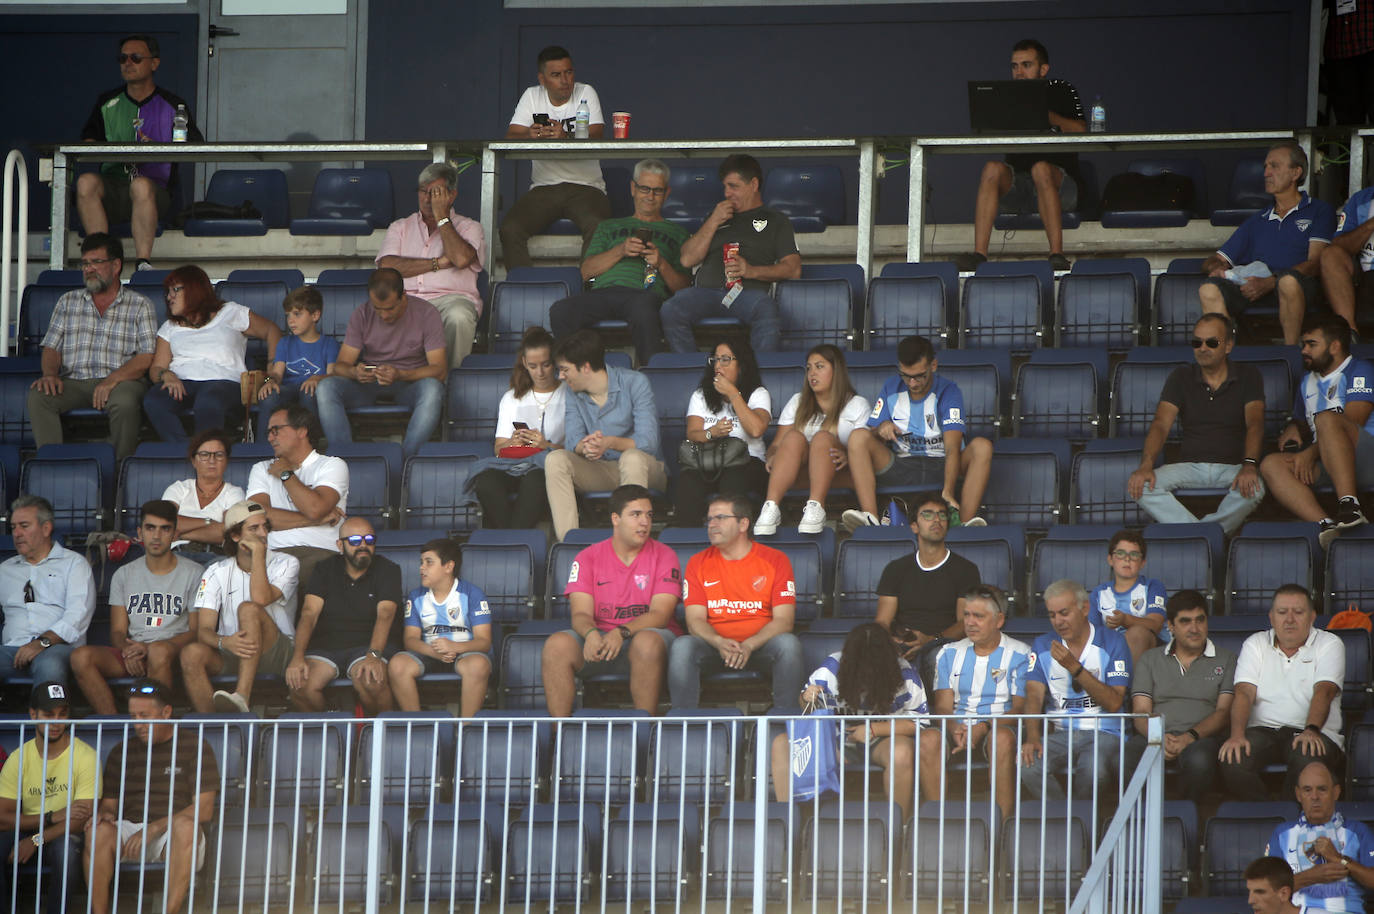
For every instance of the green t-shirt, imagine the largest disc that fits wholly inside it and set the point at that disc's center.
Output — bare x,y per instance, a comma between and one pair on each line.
628,273
47,791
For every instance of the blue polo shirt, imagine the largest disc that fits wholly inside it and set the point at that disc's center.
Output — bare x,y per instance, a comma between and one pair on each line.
1350,382
1357,211
1106,657
1281,242
1291,842
921,426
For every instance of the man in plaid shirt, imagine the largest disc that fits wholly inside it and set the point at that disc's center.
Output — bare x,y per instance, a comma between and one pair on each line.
96,351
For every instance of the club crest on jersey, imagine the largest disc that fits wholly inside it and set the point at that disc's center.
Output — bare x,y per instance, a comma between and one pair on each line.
1137,603
1303,224
641,581
760,224
801,755
759,582
996,675
930,421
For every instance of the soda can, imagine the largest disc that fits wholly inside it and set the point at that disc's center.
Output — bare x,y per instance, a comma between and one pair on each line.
728,250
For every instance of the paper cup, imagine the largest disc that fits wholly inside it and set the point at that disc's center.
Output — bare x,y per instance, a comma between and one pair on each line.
620,124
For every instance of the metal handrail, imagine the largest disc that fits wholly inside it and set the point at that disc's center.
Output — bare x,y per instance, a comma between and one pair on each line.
15,166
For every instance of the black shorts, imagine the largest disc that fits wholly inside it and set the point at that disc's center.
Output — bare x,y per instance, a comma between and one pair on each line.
119,204
1237,304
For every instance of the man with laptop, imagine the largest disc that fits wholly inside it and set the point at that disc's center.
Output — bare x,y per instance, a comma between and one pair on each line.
1031,182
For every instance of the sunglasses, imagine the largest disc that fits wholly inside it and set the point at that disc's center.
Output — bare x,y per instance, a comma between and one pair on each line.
144,690
132,58
28,592
1211,342
358,539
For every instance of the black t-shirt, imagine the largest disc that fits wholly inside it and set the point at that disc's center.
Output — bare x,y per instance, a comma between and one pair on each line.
126,776
1063,100
927,600
1212,422
350,607
764,236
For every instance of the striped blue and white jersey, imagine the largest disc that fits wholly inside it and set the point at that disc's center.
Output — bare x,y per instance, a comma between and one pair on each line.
983,686
1350,382
1105,656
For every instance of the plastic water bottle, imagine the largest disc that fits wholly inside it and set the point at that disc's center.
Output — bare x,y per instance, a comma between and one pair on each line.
1097,116
582,128
180,120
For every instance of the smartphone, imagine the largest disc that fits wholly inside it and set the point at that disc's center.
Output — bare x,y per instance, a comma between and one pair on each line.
1292,447
645,235
542,120
367,367
520,426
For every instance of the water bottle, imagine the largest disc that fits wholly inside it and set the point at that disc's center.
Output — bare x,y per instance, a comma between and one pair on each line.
1097,116
180,120
584,118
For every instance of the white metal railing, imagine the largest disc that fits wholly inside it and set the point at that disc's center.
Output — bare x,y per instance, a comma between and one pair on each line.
602,812
16,169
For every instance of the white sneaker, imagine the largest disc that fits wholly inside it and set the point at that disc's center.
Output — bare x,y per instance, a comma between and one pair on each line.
144,265
228,702
855,518
975,522
813,518
769,518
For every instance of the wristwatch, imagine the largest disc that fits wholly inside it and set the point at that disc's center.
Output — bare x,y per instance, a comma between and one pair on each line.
442,222
37,839
624,631
708,434
284,475
374,654
44,642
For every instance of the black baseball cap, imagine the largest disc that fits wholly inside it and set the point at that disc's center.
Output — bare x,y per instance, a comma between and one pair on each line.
47,696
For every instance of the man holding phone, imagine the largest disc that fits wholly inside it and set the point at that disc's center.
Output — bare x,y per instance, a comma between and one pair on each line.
632,265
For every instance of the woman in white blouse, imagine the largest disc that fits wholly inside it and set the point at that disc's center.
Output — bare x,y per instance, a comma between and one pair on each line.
730,402
200,356
813,430
202,500
529,424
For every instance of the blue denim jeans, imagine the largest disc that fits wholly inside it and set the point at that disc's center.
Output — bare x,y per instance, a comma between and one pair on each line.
61,869
52,664
690,657
756,308
1096,760
212,404
336,395
1161,504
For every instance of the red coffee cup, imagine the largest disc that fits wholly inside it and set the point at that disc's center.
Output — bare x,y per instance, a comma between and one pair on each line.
620,125
728,251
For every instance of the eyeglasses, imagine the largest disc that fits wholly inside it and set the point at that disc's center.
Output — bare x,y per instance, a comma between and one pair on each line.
133,58
720,518
933,515
357,539
1211,342
1134,555
87,264
210,455
917,378
651,191
721,359
276,429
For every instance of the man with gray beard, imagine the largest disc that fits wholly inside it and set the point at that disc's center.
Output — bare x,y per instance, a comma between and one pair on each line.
96,351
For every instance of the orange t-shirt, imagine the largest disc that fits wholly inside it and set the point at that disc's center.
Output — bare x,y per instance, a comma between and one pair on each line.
739,596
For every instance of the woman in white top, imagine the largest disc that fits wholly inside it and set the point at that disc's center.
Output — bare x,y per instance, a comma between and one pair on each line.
202,500
200,356
813,430
529,424
730,402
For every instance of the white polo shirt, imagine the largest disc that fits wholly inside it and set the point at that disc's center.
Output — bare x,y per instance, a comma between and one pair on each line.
316,470
1283,684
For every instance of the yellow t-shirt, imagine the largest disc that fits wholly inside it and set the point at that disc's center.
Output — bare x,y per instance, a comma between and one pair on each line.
47,791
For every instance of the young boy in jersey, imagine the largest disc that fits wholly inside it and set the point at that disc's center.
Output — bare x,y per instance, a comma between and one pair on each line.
448,629
1130,602
304,357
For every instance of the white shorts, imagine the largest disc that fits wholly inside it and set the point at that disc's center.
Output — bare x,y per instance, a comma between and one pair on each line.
158,849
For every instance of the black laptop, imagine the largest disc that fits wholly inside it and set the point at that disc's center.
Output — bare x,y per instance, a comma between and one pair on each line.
1006,106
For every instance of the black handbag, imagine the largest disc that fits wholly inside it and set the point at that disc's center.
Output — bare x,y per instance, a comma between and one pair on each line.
711,458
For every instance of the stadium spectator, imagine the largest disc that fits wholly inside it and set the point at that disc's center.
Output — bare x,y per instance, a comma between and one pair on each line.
914,439
610,430
202,500
200,356
1189,682
1349,256
981,677
1219,405
47,595
846,683
447,629
621,595
1130,602
244,613
813,430
393,349
305,492
440,255
1084,671
1287,705
349,624
47,795
730,402
96,351
150,612
1331,437
1332,857
144,814
1031,182
741,605
743,247
529,426
304,357
921,597
1272,258
137,112
1269,886
559,188
632,264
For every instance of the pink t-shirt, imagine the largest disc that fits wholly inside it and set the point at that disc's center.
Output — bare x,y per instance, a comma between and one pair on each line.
409,237
402,344
622,592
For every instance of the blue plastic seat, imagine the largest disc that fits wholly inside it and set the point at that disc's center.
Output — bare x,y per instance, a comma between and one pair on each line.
143,478
432,491
1233,838
812,197
693,191
417,756
672,388
1263,557
375,469
78,479
1246,196
517,305
984,379
256,857
814,311
301,761
265,188
338,853
340,301
291,277
942,844
1176,305
1057,395
229,736
652,851
999,551
36,309
240,462
9,471
846,850
474,399
1350,570
71,279
1187,557
348,201
522,675
1003,311
449,858
902,306
1075,552
549,852
602,761
506,565
860,564
1136,387
807,553
1097,488
1046,855
1098,310
1163,217
695,758
1028,487
730,860
504,756
1278,374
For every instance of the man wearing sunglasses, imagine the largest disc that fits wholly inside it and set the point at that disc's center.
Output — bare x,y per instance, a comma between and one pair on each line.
136,112
632,264
1219,405
349,625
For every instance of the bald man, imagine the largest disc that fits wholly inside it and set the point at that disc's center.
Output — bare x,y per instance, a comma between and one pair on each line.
355,595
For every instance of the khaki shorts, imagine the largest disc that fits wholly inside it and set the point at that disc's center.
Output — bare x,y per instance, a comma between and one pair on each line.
273,661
